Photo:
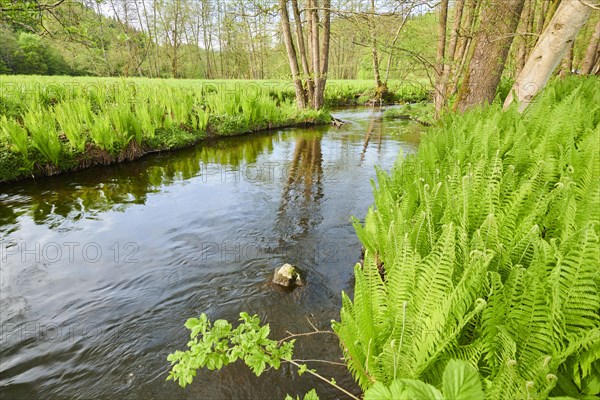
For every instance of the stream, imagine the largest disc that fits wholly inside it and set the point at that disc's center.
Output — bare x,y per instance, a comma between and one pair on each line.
100,269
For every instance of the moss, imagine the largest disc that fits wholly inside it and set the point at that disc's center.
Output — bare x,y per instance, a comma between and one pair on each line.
13,166
173,138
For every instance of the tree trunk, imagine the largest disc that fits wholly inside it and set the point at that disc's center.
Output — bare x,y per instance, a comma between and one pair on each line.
524,41
440,64
464,43
310,86
562,30
593,52
451,63
324,56
291,52
567,62
313,21
375,55
499,22
394,41
318,50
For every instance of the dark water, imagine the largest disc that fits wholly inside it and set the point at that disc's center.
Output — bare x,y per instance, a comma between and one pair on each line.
101,269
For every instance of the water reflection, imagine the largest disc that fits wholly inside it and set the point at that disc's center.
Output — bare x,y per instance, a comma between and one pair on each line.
90,193
299,208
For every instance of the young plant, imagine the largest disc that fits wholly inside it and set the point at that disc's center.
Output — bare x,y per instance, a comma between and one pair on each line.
216,345
101,132
483,247
71,124
460,382
17,135
43,134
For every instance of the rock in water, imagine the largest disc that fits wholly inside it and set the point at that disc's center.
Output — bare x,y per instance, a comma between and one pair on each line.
288,276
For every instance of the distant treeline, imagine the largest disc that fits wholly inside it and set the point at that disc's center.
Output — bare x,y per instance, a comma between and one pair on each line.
26,53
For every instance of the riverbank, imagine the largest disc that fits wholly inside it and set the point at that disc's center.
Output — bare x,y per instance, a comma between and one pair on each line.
54,125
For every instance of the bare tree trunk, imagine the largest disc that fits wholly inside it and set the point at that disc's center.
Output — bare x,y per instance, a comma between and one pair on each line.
223,66
315,46
449,66
593,52
148,44
310,86
394,41
324,56
206,38
499,22
524,39
374,53
550,10
562,30
440,64
291,52
464,43
318,50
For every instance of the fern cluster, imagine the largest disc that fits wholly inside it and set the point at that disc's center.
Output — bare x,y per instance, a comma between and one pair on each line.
484,247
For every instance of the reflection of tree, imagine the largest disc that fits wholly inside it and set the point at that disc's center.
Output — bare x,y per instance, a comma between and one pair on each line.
375,120
300,207
86,195
367,140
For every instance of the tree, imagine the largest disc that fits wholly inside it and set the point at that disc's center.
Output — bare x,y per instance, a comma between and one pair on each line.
315,56
499,20
11,55
592,54
33,52
562,30
438,96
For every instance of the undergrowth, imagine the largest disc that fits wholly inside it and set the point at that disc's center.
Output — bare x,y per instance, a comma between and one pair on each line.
483,247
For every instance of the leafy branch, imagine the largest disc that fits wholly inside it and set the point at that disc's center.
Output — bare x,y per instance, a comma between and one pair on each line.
215,345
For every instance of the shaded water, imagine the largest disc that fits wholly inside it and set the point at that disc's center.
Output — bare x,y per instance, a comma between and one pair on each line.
100,269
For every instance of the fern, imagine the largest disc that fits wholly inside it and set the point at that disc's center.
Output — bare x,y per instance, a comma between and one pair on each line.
489,241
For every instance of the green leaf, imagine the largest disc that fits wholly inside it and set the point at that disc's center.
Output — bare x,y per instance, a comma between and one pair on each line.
419,390
461,382
192,323
312,395
378,392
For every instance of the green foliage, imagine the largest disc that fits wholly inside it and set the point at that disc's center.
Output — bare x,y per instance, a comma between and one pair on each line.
73,119
214,346
488,238
16,134
28,53
108,114
312,395
43,133
460,382
423,112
